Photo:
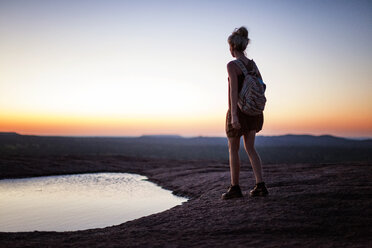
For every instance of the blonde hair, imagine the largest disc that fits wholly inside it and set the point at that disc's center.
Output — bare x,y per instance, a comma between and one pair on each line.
239,40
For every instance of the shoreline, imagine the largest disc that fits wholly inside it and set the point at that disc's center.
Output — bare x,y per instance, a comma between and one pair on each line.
312,205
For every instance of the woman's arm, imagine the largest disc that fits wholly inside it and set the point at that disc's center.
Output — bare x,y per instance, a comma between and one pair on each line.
233,83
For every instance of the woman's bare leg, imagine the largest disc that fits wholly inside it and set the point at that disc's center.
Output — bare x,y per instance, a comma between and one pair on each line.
254,157
234,144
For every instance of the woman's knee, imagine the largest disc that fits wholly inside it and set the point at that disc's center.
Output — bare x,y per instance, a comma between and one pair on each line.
250,150
234,144
249,144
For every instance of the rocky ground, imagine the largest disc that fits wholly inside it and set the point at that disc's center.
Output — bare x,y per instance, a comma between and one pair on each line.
310,205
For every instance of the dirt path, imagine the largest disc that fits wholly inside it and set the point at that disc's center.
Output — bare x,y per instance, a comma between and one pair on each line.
310,205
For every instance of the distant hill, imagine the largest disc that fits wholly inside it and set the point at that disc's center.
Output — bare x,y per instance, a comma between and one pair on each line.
309,140
8,134
273,149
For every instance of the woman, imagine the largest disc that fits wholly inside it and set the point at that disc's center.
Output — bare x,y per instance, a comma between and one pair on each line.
239,124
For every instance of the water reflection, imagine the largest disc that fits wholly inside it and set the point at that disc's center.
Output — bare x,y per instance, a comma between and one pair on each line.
78,202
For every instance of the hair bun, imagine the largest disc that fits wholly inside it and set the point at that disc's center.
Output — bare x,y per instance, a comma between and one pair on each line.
239,40
242,31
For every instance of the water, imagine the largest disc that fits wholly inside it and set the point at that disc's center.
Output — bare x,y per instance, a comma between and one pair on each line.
79,202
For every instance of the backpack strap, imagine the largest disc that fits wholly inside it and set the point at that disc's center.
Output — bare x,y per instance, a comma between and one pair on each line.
254,71
242,67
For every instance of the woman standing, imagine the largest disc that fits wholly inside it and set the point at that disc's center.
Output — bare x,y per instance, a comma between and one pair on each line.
239,124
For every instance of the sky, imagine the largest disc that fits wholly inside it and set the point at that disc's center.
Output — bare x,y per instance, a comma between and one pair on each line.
128,68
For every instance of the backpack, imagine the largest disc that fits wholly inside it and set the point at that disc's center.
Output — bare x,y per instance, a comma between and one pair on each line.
252,98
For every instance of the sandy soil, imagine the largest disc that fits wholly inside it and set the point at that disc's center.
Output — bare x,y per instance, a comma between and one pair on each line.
310,205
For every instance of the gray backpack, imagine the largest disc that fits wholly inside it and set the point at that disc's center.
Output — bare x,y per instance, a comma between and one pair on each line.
252,98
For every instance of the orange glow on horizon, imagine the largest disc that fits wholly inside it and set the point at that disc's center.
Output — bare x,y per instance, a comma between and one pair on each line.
188,126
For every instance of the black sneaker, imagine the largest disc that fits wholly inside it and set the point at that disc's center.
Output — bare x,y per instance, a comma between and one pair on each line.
232,192
259,190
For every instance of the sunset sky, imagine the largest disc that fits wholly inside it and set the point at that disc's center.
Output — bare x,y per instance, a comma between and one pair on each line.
127,68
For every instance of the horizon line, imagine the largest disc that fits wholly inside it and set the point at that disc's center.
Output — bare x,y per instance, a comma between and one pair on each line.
184,136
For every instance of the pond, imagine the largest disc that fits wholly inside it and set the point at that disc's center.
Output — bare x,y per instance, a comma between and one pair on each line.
79,202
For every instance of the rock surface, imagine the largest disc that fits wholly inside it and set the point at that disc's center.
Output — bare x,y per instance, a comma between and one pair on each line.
310,205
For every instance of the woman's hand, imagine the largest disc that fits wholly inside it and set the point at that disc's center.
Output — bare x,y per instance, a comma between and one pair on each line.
235,121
